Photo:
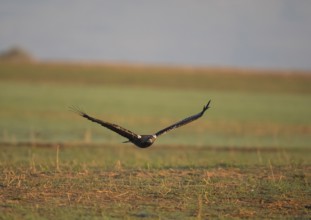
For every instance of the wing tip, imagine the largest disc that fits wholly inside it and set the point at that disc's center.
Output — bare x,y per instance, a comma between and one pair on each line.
207,106
76,110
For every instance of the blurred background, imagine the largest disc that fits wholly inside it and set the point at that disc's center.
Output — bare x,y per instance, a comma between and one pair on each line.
242,33
145,65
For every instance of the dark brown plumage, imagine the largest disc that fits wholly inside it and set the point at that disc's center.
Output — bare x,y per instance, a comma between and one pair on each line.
141,141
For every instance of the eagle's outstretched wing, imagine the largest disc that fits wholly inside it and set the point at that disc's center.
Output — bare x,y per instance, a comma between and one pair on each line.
116,128
184,121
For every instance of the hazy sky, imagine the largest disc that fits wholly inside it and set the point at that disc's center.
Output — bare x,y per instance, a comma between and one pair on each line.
244,33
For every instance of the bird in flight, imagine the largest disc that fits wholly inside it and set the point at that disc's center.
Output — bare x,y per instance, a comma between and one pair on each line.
142,141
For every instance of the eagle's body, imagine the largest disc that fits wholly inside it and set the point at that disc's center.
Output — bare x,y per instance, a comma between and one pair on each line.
141,141
144,141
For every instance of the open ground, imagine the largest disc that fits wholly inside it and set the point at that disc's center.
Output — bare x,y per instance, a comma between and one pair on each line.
248,157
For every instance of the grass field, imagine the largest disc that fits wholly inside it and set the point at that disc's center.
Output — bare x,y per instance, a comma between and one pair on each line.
248,157
158,183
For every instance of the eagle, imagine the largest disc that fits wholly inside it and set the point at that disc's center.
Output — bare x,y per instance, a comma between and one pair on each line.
141,141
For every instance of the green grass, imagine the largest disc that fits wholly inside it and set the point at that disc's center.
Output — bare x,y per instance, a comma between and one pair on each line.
247,157
235,119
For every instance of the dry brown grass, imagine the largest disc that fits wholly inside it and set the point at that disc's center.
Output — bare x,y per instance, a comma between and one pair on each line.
65,189
219,79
